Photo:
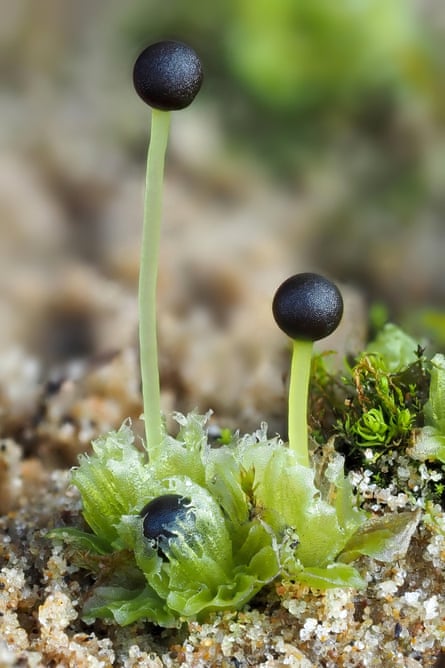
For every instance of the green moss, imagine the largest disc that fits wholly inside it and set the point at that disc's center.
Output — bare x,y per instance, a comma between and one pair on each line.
386,414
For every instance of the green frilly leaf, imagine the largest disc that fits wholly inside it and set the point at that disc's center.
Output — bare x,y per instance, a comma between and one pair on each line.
334,575
435,406
126,606
81,540
111,481
396,348
287,492
429,444
384,538
429,441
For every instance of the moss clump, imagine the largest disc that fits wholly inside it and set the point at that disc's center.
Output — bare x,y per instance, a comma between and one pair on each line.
380,415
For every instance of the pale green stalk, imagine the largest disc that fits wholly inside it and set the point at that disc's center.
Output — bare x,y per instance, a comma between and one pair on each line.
148,273
298,399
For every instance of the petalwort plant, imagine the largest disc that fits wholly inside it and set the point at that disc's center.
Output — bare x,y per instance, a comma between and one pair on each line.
180,528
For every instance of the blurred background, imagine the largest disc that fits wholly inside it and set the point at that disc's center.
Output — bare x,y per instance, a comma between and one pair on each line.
316,143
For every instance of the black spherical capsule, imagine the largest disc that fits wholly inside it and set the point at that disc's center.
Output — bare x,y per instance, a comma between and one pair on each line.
168,75
161,514
308,307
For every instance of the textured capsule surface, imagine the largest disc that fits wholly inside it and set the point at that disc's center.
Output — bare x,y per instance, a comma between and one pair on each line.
161,514
307,306
168,75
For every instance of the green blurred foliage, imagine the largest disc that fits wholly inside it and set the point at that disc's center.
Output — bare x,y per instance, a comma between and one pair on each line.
312,53
429,323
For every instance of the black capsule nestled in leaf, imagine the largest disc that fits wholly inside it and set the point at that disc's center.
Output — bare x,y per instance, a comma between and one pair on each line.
308,307
162,514
168,75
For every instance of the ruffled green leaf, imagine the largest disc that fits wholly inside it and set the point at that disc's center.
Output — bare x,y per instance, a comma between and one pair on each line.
110,482
287,492
396,348
429,444
334,575
224,478
340,494
435,406
126,606
429,441
384,538
81,540
185,454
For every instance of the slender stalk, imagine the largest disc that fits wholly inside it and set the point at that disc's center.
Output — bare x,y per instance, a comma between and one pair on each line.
298,398
148,274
